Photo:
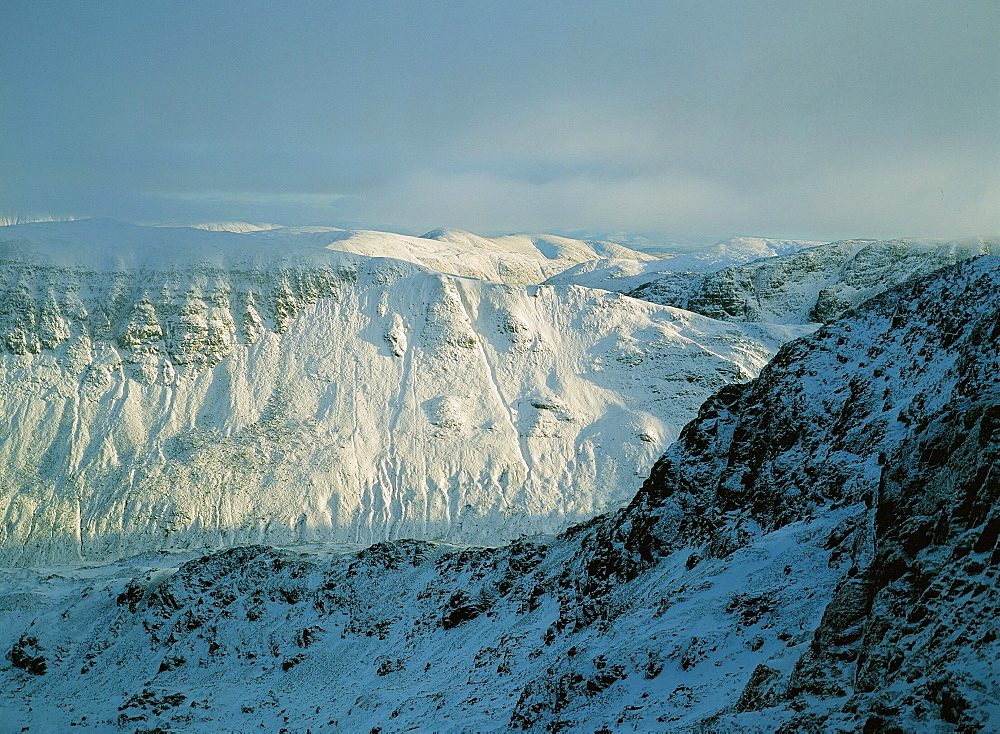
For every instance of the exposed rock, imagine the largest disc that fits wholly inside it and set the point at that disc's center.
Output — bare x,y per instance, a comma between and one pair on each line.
27,655
815,285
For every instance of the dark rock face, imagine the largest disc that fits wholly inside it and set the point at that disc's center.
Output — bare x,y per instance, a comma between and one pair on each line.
27,655
895,408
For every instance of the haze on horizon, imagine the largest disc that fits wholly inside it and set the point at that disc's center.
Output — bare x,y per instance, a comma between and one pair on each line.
817,120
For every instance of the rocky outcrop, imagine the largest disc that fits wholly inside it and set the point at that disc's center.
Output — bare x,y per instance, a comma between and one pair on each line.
814,285
897,409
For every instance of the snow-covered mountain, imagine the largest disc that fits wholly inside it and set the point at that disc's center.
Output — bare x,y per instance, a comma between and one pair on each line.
624,274
817,552
814,285
176,388
513,259
737,251
241,227
10,220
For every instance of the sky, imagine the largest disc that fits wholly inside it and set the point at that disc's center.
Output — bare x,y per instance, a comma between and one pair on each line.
821,120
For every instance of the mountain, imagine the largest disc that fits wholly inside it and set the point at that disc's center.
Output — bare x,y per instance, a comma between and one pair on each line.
625,274
702,247
11,220
814,285
235,226
658,242
550,246
513,259
817,552
177,388
736,251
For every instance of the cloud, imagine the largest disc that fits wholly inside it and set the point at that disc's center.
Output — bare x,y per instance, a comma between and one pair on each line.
783,118
881,198
252,197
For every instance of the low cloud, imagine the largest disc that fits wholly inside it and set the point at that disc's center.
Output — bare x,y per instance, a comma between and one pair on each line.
252,197
820,120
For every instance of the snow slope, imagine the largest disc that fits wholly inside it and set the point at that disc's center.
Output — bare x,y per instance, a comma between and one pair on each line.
817,552
241,227
514,259
176,388
814,285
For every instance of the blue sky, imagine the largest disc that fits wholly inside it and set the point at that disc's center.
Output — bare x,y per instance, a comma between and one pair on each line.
810,119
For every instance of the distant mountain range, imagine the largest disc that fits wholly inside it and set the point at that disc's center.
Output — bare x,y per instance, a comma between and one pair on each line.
625,274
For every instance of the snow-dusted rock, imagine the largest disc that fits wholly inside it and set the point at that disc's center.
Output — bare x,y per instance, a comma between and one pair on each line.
814,285
894,411
402,635
625,274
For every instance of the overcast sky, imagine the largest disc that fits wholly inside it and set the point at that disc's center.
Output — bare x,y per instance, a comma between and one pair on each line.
799,119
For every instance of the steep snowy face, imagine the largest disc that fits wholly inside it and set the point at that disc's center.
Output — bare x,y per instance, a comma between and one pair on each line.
818,552
815,285
180,388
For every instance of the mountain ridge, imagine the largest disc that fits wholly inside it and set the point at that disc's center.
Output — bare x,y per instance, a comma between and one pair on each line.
814,285
230,390
818,551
